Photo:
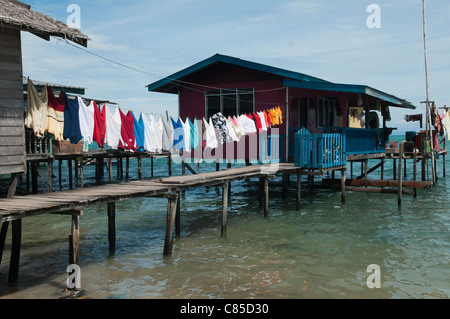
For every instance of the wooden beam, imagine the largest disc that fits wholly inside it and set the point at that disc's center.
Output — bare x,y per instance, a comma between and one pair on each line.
223,228
170,221
378,190
15,250
112,227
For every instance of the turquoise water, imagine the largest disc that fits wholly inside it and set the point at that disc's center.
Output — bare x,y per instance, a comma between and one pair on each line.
323,251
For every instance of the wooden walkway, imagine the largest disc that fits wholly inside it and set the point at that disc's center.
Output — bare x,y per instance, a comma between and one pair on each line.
72,202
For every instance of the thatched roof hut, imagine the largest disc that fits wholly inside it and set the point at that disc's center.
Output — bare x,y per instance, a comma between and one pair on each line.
18,15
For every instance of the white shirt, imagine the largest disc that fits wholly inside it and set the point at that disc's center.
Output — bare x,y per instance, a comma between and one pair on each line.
113,125
86,115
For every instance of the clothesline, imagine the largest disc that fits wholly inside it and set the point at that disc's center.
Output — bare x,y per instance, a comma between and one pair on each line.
74,120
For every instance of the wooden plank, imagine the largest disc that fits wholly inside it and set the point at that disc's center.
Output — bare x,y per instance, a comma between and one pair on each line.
378,190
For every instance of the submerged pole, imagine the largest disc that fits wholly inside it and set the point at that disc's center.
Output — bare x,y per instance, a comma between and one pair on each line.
428,111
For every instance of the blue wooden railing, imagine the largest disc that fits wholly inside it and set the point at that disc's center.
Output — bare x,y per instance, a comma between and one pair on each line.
319,150
362,141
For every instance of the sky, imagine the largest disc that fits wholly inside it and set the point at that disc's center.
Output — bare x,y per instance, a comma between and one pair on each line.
323,38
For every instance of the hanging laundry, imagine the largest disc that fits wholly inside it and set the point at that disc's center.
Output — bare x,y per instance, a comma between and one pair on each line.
210,134
446,124
86,115
262,120
178,134
99,125
149,134
167,135
36,115
267,118
55,114
234,126
113,125
128,141
231,133
194,134
139,132
187,134
72,120
248,125
258,122
220,123
158,130
414,118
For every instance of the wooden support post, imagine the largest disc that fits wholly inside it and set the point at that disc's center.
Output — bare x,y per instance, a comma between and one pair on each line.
81,173
127,167
351,170
223,228
60,172
110,169
343,185
382,169
12,185
3,232
400,177
394,167
422,164
443,164
28,176
16,229
266,196
169,163
112,227
415,172
139,166
69,162
170,221
76,167
178,216
49,175
366,163
151,159
75,239
34,177
404,168
299,189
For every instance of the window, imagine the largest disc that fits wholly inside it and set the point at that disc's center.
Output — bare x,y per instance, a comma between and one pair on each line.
325,112
229,101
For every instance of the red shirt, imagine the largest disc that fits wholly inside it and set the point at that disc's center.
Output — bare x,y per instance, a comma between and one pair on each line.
99,125
127,131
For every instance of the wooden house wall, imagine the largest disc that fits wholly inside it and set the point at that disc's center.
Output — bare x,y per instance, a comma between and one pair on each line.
192,97
12,139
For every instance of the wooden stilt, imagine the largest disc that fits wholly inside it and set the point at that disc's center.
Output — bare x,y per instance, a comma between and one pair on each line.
382,169
34,177
223,229
260,191
343,186
112,227
415,172
16,230
151,159
422,164
351,170
394,168
299,190
400,177
139,167
127,168
266,197
60,172
81,173
75,239
169,164
110,170
3,232
49,175
443,164
178,217
170,221
76,168
12,185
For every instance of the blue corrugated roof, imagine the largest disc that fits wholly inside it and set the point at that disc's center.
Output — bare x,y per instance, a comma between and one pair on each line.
167,84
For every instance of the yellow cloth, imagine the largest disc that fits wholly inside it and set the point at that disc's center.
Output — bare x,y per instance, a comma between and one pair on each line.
55,123
36,115
355,117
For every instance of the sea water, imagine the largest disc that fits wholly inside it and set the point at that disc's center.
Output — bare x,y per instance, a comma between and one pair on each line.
322,251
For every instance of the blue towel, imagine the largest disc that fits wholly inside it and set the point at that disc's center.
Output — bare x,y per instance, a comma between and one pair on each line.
139,133
178,134
194,134
71,120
